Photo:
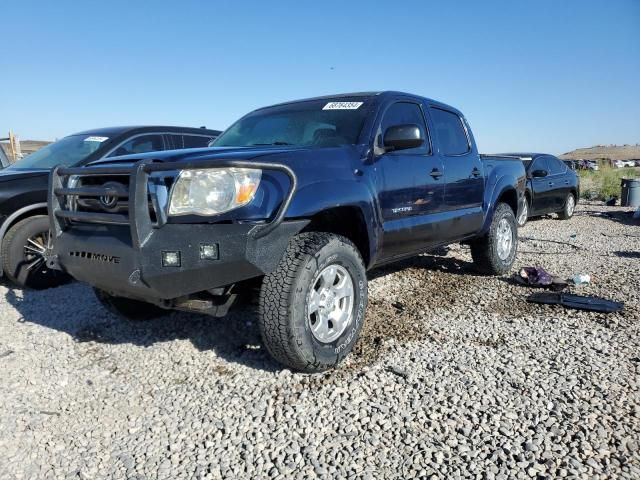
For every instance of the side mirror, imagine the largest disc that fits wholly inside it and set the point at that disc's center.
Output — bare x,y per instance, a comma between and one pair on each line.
401,137
539,173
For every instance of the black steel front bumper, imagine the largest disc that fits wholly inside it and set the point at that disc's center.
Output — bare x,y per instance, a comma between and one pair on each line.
123,254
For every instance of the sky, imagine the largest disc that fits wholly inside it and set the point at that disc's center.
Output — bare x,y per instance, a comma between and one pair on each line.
543,75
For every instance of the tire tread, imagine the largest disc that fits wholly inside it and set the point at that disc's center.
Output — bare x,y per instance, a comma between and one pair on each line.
484,255
276,293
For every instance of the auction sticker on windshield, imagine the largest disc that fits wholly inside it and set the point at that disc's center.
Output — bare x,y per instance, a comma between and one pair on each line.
342,106
96,139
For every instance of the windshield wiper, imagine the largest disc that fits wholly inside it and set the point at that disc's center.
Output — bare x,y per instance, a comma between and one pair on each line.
272,143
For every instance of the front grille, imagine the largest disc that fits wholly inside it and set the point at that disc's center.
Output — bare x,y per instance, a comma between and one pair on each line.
98,197
141,195
115,202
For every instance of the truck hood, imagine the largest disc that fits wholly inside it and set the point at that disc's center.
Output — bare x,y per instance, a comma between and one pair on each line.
10,174
195,154
289,155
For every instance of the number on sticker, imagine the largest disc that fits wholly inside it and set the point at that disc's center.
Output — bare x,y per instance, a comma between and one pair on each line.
342,106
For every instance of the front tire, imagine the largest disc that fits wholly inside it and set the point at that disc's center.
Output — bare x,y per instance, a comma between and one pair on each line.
312,305
569,207
134,310
23,255
495,252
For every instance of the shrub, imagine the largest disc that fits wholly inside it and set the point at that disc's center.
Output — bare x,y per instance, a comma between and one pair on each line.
605,183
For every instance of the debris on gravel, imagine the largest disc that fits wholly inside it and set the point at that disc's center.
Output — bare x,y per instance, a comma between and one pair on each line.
455,376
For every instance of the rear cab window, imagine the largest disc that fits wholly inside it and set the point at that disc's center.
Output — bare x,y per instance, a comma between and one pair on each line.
450,132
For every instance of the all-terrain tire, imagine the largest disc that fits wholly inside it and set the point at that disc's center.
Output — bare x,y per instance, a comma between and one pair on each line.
20,261
485,250
523,217
286,308
569,207
134,310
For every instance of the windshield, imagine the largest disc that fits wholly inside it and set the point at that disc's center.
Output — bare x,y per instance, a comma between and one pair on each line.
68,151
315,123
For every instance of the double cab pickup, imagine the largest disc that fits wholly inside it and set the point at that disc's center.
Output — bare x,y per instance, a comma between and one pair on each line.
303,197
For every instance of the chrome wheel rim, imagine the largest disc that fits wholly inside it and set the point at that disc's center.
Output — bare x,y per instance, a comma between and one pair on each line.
571,205
35,250
524,214
330,303
504,237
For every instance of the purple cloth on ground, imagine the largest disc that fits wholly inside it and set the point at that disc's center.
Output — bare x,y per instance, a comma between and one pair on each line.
536,276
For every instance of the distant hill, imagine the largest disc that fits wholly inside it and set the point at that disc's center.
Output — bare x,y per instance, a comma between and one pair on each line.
611,152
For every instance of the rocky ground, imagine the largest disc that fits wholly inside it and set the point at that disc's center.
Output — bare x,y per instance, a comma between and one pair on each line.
455,376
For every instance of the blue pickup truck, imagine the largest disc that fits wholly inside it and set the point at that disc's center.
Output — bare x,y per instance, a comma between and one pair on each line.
303,197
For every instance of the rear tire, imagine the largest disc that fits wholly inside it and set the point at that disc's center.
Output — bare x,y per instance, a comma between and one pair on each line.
134,310
495,252
524,214
569,208
312,305
23,249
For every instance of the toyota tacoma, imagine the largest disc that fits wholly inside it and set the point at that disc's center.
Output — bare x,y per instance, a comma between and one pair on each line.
301,198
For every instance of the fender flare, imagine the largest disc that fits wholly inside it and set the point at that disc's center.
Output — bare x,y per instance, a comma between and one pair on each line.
11,218
503,184
309,200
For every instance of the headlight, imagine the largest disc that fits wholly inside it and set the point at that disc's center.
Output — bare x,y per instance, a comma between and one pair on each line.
212,191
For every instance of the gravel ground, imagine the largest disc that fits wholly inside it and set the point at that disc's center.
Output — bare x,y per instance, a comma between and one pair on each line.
455,376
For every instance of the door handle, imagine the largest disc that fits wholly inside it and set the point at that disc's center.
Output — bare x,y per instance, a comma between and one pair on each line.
551,184
435,173
566,182
476,172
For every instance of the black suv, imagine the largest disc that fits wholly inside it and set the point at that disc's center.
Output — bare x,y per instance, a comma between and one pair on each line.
24,226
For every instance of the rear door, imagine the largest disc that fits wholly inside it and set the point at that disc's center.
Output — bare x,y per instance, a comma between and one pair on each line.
463,173
410,185
559,180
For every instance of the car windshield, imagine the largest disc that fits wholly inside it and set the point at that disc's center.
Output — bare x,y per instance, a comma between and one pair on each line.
314,123
67,151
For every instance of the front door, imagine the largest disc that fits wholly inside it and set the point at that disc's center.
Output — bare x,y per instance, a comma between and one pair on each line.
542,188
410,186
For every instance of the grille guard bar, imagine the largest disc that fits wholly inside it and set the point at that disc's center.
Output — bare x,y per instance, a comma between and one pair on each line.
139,218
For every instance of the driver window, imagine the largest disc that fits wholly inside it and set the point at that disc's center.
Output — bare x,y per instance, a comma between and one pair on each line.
403,113
141,144
540,163
556,167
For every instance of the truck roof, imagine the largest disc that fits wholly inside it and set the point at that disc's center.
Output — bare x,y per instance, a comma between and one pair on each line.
381,94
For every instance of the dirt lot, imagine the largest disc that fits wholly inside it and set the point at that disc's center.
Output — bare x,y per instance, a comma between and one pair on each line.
455,376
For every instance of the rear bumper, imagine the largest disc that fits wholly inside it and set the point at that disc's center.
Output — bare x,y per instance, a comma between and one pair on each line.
104,257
